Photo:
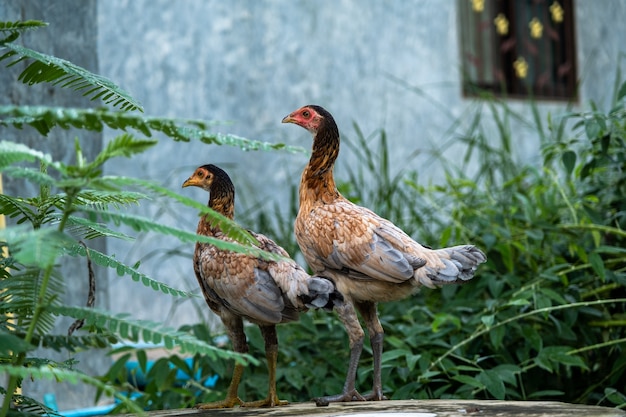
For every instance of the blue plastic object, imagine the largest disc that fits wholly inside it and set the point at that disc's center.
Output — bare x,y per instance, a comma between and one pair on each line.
139,377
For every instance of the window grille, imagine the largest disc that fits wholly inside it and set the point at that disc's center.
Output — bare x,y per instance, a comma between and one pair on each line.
519,48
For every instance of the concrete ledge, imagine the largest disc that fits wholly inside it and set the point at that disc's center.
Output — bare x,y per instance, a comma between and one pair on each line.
412,408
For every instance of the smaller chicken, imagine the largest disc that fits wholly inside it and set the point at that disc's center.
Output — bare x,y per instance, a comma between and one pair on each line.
240,286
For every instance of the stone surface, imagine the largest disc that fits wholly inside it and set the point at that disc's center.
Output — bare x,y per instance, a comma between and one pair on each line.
412,408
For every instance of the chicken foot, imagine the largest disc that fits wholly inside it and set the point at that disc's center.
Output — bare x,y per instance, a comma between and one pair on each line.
348,317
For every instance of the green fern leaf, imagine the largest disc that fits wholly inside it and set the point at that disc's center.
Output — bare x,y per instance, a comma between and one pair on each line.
142,224
21,25
48,68
34,176
88,229
21,293
16,207
150,332
13,29
72,376
38,247
184,130
11,344
12,152
29,407
228,226
123,269
102,199
76,343
124,145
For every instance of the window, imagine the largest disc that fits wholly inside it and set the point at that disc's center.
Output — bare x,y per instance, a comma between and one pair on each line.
518,48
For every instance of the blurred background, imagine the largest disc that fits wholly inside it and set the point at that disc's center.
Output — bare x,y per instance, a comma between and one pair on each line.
413,69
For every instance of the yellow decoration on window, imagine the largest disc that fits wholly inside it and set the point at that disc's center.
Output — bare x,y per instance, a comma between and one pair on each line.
502,24
557,12
536,28
521,67
478,5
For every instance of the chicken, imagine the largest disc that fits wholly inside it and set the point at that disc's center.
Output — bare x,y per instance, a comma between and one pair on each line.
240,286
369,258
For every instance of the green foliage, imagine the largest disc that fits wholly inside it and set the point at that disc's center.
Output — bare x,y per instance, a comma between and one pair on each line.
44,118
76,203
545,318
158,385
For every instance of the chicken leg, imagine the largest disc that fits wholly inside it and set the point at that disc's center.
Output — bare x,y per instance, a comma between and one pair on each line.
375,329
234,327
271,353
348,317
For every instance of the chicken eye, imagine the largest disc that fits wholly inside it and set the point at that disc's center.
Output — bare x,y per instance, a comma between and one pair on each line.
306,113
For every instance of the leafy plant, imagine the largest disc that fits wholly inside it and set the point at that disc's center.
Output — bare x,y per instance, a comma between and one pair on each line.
76,204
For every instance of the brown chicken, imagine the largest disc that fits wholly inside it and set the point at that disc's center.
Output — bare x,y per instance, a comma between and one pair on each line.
369,258
240,286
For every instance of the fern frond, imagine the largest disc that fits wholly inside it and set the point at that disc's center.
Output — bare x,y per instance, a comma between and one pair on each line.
102,199
142,224
35,247
21,25
12,30
150,332
122,269
45,118
11,344
68,375
57,71
124,145
33,176
16,207
228,226
89,230
29,407
20,294
12,152
76,343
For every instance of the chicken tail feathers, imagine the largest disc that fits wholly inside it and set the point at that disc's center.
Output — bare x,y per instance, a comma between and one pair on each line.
457,265
322,293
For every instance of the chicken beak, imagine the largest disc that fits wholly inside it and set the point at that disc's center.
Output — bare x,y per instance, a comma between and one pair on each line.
289,119
189,182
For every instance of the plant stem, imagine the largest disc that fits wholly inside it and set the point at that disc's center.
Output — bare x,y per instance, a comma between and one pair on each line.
485,329
39,307
598,227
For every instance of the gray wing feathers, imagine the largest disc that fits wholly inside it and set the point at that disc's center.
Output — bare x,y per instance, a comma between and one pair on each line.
321,293
457,264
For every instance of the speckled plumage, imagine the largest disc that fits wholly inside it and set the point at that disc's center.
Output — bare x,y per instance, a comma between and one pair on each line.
370,259
239,286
